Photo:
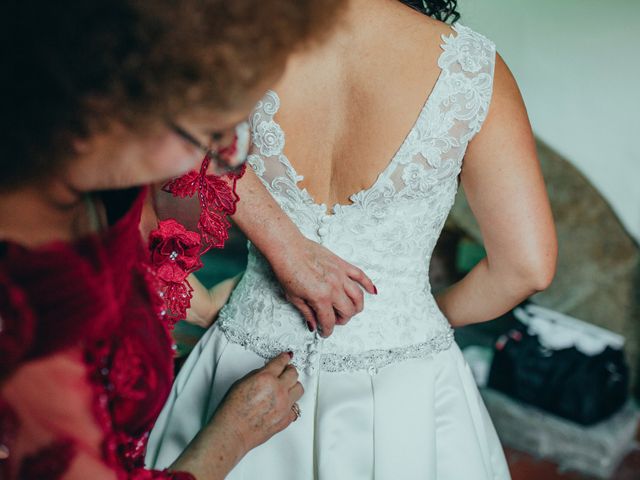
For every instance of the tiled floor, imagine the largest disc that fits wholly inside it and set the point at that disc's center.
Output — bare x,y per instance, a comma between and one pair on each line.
525,467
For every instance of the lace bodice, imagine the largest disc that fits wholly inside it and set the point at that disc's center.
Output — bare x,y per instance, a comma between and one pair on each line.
389,230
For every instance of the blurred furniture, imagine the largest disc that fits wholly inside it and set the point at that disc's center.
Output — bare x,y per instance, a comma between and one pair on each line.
598,278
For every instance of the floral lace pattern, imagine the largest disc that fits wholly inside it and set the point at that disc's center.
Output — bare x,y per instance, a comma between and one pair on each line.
176,251
389,230
217,196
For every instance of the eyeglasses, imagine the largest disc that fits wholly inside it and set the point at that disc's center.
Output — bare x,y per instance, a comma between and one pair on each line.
224,160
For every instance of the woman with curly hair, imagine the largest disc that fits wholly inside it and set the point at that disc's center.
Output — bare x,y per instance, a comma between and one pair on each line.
101,98
397,106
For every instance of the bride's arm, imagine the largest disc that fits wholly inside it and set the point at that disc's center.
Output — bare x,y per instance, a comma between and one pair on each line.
207,303
325,288
503,183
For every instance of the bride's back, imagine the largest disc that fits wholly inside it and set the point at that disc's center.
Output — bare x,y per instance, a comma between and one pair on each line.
347,106
353,120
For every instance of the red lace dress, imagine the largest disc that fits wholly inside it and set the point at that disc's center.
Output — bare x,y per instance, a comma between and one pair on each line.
85,353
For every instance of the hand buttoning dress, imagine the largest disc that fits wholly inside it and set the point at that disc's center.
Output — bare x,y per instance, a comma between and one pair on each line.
86,359
388,396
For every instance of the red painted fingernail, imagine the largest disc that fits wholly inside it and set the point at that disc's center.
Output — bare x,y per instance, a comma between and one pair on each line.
290,354
375,290
309,326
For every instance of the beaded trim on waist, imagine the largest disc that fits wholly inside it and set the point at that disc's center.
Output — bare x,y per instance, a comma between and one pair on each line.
310,357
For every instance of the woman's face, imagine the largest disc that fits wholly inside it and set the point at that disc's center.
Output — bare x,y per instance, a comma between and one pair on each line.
118,158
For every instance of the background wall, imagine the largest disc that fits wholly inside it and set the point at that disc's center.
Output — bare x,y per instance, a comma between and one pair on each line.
578,65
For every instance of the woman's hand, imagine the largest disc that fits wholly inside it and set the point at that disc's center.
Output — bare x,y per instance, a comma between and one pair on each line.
260,405
256,407
327,290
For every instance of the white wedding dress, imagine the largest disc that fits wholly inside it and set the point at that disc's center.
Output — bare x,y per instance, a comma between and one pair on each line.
388,396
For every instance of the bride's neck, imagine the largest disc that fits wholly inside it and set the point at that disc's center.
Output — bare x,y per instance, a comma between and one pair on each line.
360,21
36,215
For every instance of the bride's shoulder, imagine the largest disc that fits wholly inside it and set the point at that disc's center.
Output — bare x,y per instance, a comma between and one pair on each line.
473,53
467,51
455,42
462,34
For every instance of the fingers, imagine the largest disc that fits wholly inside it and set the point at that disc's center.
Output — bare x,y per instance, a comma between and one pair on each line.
289,376
340,319
344,311
326,317
355,294
359,276
294,395
351,304
278,364
307,313
296,392
292,417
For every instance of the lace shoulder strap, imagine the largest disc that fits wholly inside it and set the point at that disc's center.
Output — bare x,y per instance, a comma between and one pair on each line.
468,59
266,153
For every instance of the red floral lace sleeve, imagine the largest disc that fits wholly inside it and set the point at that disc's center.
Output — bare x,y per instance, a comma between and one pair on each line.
16,326
85,362
176,251
48,424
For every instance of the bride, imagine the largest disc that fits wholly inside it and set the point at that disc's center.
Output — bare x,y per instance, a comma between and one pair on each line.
398,107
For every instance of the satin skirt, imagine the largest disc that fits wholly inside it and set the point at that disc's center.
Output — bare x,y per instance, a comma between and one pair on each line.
418,419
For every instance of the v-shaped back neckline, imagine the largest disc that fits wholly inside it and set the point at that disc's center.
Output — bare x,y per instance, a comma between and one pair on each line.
390,166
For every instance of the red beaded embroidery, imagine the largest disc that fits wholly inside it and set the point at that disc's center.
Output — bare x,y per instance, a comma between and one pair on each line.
176,251
218,198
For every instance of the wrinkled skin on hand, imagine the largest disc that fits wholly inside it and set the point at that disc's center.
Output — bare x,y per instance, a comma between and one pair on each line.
327,290
260,404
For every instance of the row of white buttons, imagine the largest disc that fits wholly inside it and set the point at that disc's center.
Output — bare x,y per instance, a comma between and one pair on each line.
313,348
323,230
313,359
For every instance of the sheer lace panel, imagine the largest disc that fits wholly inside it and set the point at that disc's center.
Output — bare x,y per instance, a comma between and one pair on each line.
433,149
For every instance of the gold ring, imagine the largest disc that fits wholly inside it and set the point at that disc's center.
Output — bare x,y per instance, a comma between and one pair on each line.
296,411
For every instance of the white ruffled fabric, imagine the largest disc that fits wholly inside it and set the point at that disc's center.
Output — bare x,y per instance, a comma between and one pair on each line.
418,419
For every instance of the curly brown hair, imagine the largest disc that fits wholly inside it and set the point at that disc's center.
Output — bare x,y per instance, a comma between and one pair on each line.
70,67
443,10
